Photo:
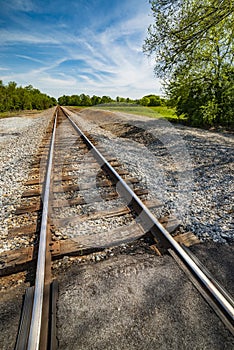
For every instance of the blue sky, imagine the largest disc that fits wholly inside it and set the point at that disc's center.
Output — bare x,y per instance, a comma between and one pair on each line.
73,47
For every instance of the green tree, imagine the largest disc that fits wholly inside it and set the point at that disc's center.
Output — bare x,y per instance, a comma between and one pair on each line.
85,100
64,100
2,96
154,100
194,48
74,100
180,26
145,101
95,100
204,90
18,98
106,99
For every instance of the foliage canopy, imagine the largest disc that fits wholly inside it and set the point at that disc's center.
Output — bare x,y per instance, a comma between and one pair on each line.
13,98
86,100
193,45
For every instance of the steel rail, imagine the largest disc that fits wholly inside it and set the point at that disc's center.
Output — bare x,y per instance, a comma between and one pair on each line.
36,320
149,222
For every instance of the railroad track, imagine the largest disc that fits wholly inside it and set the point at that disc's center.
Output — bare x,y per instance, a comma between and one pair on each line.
73,183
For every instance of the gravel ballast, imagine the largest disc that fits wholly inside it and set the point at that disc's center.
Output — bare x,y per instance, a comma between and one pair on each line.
19,139
190,170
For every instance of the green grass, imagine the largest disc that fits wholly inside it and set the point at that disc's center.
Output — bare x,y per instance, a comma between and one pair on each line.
76,107
19,113
166,112
153,112
8,114
132,109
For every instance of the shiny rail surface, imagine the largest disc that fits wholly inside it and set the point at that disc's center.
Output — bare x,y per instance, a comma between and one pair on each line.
223,306
36,320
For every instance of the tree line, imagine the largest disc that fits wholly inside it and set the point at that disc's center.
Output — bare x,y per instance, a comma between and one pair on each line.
83,100
86,100
193,46
14,98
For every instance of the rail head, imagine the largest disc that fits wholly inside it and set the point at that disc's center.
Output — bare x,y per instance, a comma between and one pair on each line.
36,319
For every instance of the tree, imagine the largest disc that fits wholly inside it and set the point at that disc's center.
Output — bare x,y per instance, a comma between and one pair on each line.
180,26
18,98
95,100
2,96
145,101
193,46
106,99
85,100
64,100
74,100
154,100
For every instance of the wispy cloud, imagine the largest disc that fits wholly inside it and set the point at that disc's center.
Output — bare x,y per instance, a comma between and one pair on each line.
30,58
15,37
69,57
20,5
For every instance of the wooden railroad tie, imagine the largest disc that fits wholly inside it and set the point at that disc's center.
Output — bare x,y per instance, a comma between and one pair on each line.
82,245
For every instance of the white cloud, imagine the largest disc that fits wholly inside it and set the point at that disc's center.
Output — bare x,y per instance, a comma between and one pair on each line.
119,63
21,5
30,58
110,62
7,37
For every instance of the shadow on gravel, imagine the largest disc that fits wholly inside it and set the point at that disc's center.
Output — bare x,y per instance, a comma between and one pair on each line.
219,260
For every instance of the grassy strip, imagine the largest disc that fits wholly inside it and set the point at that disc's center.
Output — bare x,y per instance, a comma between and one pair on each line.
153,112
165,111
24,113
131,109
8,114
76,107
